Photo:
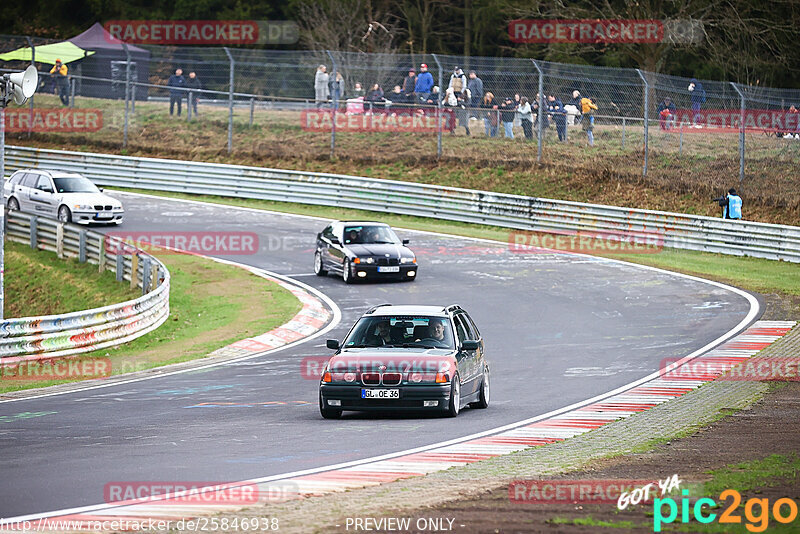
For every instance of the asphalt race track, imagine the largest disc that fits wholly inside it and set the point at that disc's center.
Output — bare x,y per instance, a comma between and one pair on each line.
558,329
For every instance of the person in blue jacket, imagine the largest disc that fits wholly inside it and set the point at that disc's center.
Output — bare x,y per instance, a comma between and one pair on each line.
697,98
732,207
556,109
424,84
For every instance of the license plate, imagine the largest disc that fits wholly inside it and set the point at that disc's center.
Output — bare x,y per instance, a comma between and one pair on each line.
103,216
388,269
380,393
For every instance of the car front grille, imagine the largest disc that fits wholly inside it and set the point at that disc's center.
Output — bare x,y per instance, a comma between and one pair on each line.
388,261
370,379
391,379
100,207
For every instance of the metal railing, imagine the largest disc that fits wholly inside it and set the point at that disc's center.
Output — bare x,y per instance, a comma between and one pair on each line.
88,330
679,231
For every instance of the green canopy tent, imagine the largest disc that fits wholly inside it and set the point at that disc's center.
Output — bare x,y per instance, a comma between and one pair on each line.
65,51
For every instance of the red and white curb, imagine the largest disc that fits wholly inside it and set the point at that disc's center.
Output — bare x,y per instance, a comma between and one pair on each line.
642,396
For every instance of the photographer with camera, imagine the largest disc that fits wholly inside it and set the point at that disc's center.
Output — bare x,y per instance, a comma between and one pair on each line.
731,205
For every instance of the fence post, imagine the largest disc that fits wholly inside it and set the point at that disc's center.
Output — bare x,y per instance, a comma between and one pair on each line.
230,100
71,92
540,112
335,105
101,253
60,240
120,266
741,132
439,110
82,246
30,105
146,275
134,269
34,232
127,93
154,281
646,119
623,132
252,109
189,107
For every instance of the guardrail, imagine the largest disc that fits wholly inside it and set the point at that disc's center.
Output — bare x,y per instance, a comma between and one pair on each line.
84,331
692,232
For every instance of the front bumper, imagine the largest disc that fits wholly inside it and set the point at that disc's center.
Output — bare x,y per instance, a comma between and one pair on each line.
370,272
411,397
102,217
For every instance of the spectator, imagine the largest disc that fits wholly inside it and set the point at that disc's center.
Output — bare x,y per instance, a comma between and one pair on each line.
451,102
59,72
424,84
475,86
193,82
397,94
490,118
540,108
792,124
433,97
666,113
587,110
698,98
321,90
375,98
556,110
507,111
517,102
336,89
462,113
576,104
358,90
731,205
526,117
409,82
177,82
458,82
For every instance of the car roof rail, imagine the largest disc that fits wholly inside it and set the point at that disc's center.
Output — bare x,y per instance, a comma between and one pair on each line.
372,309
452,308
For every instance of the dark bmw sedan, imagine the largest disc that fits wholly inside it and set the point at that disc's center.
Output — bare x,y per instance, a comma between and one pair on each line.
407,358
363,250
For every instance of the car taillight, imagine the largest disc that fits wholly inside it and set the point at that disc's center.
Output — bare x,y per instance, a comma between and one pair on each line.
441,378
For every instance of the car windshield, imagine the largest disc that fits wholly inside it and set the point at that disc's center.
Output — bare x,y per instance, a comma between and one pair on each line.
75,184
369,235
401,331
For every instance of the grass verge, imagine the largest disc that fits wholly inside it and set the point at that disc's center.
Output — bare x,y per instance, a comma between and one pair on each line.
38,283
211,306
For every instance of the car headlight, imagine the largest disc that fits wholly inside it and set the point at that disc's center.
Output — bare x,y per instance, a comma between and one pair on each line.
364,260
83,207
408,260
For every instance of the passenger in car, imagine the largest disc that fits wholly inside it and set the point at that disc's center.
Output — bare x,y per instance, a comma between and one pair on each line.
383,334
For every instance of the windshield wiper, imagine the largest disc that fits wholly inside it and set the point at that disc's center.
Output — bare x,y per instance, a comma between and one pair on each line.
412,345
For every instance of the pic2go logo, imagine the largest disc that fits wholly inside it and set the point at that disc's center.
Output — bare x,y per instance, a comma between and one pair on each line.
756,511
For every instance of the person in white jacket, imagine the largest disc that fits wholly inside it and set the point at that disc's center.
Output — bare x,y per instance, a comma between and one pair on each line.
321,91
458,81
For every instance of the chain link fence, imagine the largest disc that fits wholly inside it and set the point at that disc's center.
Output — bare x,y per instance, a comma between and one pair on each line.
318,104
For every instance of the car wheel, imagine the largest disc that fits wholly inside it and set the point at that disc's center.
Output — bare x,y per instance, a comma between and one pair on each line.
483,396
64,215
347,276
455,398
328,412
13,204
318,270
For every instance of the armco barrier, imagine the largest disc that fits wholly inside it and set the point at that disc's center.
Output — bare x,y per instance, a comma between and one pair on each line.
84,331
681,231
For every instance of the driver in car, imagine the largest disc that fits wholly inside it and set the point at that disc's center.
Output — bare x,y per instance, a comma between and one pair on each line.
436,332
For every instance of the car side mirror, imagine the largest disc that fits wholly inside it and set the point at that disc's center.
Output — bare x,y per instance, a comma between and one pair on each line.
470,344
406,241
101,189
335,241
45,190
332,344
